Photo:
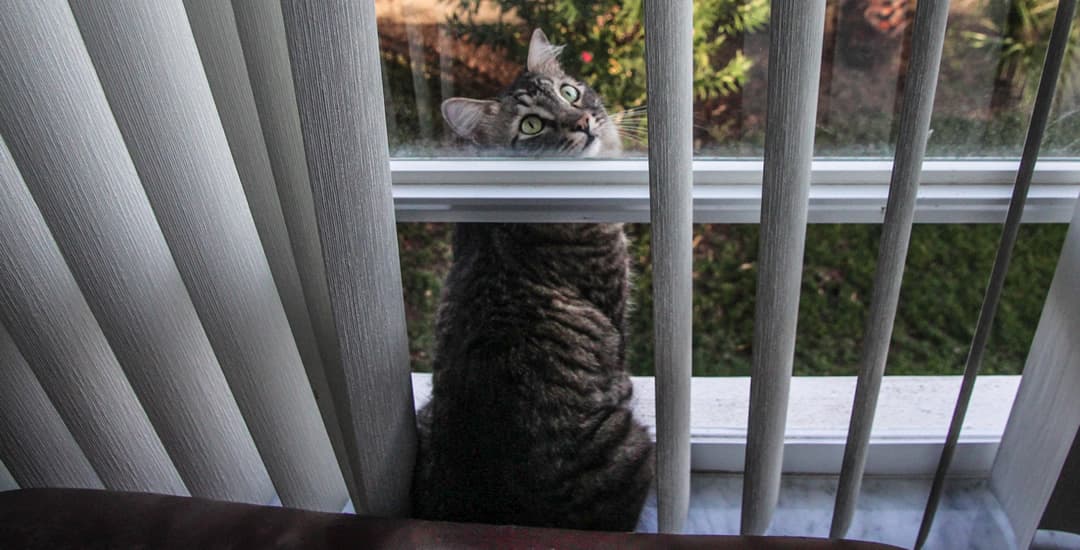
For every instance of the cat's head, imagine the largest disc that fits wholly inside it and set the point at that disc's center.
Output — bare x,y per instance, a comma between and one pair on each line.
545,112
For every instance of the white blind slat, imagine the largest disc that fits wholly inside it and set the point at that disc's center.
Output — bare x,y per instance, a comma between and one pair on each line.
928,38
670,79
74,160
795,40
223,58
262,35
269,381
335,57
33,437
48,318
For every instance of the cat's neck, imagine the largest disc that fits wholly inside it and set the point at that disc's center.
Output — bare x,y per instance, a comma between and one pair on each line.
585,256
535,242
588,260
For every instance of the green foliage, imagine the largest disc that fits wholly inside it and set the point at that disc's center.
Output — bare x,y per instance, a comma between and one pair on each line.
425,259
605,40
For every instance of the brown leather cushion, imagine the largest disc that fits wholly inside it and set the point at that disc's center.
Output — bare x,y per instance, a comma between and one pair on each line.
77,518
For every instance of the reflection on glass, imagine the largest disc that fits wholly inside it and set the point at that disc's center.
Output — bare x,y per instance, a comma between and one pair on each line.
437,49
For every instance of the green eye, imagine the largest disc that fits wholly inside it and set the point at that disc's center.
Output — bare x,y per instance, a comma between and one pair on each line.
569,92
531,125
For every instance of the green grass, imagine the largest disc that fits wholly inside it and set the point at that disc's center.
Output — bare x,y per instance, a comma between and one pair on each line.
947,270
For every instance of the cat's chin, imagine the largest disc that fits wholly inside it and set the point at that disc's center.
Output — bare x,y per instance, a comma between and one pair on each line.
596,149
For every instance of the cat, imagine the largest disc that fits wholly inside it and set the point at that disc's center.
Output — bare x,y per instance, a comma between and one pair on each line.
530,421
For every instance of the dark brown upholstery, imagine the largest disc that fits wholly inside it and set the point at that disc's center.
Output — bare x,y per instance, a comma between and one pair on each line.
74,518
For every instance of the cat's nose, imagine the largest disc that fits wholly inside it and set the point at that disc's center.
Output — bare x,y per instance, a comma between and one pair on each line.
582,124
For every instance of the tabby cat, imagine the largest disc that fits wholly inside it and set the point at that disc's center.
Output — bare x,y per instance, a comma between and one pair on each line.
529,421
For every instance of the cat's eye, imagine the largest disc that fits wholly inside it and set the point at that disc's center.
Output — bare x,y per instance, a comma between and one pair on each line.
531,125
569,93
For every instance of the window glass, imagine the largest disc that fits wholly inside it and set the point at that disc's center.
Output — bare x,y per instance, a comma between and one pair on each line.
433,50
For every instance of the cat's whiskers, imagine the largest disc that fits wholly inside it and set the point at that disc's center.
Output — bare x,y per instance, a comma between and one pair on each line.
631,116
639,128
636,132
635,138
632,131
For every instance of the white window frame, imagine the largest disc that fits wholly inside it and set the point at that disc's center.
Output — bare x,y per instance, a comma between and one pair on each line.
725,191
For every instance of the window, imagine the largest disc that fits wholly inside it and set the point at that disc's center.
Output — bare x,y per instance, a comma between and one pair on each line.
436,50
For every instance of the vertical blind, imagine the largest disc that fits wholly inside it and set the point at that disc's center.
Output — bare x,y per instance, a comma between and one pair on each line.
262,37
199,282
33,436
335,55
797,29
918,102
59,304
165,328
669,55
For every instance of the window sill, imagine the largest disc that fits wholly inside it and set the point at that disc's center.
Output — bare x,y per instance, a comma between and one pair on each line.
912,419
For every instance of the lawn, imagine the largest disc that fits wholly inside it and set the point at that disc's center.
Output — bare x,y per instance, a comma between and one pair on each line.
947,270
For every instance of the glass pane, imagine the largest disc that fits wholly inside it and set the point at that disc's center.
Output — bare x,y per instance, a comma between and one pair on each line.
437,49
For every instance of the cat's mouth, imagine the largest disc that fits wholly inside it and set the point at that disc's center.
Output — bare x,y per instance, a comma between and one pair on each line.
591,148
584,144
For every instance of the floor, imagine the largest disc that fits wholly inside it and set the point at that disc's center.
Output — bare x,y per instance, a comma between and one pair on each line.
889,511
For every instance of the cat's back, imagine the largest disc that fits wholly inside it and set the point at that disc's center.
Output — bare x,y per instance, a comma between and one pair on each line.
530,419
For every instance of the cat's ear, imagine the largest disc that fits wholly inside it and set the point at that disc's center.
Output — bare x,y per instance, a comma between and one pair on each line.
543,56
464,115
